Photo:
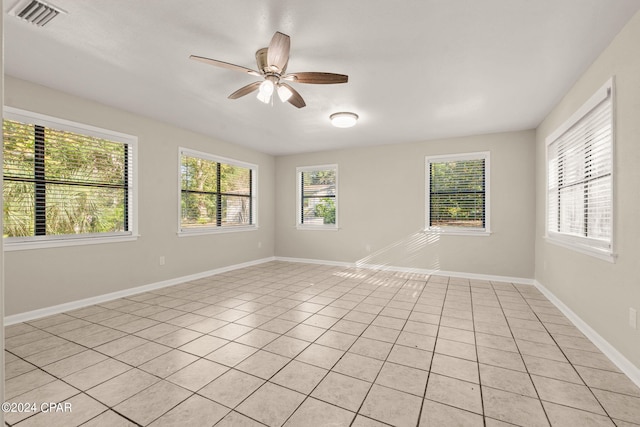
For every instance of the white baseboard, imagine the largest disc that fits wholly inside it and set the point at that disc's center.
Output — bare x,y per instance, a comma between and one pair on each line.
632,371
493,278
60,308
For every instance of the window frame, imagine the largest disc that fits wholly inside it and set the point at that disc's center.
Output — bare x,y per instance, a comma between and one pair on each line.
300,225
182,232
583,244
453,230
51,241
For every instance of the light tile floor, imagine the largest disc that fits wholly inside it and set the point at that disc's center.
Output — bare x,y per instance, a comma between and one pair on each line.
311,345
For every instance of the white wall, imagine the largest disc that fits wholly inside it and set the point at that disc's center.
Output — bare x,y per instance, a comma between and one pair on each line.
600,293
41,278
381,199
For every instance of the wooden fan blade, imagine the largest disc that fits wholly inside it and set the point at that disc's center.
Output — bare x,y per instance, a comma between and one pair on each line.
245,90
295,99
224,65
278,52
317,78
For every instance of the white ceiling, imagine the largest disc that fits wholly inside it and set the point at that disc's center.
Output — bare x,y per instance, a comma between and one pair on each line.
418,69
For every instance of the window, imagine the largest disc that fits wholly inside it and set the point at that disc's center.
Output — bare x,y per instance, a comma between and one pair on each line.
458,193
580,178
317,205
65,183
216,194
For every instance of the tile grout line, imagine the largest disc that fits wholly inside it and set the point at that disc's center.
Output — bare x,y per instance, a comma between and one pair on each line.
292,359
572,365
308,396
518,348
475,347
424,394
386,357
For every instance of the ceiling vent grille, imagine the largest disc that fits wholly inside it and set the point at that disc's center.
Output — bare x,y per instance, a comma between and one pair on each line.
38,13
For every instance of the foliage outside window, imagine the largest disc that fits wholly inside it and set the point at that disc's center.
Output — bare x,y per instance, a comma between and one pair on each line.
457,193
215,193
580,178
64,181
317,194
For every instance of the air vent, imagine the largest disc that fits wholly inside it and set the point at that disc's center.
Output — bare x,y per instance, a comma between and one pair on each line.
37,12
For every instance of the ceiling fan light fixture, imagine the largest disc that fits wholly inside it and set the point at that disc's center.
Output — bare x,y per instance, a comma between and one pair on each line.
272,64
266,87
284,93
264,97
343,119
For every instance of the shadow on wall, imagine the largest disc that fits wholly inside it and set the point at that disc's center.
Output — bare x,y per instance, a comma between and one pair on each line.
418,251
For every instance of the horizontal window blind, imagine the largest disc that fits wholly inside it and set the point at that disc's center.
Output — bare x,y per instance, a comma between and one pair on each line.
580,178
317,197
215,194
457,193
60,183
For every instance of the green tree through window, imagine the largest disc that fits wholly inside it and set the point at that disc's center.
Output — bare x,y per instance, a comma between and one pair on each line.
317,193
63,183
457,191
214,193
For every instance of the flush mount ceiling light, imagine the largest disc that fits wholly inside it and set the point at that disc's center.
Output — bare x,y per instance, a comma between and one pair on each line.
343,119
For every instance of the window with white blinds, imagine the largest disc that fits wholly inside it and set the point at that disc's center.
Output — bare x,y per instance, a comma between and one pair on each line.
65,181
317,197
458,193
580,177
216,193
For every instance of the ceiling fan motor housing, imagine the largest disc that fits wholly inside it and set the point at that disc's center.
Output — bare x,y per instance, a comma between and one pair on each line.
263,65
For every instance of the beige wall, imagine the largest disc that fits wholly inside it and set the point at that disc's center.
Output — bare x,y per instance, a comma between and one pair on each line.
597,291
46,277
381,198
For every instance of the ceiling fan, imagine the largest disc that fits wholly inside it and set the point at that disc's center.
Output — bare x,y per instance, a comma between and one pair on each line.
272,65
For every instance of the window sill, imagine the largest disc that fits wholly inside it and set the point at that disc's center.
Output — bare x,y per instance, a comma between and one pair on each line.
318,227
70,241
453,232
583,249
206,231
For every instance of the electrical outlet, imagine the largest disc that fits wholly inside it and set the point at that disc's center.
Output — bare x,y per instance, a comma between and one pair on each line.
259,245
162,260
633,318
367,248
